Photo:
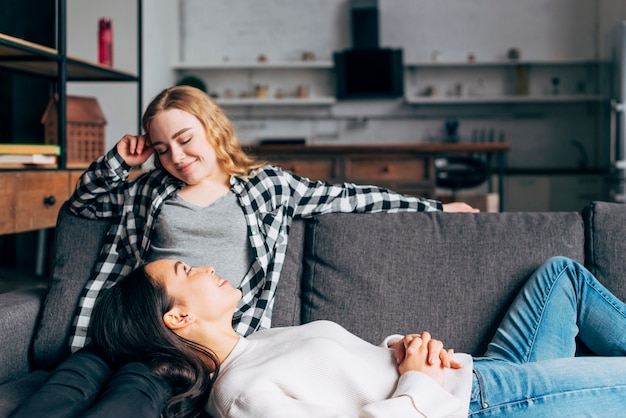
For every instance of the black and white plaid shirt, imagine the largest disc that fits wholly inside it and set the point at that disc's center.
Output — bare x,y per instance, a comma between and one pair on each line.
270,200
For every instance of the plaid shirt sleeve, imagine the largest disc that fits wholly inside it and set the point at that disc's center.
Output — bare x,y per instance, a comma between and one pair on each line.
317,197
101,191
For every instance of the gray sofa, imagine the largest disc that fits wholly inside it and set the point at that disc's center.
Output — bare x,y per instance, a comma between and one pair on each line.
451,274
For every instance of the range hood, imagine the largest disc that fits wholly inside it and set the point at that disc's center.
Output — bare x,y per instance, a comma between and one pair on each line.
367,71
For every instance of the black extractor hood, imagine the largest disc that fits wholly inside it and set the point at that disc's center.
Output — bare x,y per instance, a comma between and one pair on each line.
367,71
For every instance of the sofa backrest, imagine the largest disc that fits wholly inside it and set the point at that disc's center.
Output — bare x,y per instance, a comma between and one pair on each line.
451,274
77,243
605,244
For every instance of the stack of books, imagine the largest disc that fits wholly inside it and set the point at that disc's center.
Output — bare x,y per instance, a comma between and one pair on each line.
29,155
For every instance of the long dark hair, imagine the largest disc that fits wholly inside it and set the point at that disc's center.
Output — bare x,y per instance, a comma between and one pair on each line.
127,326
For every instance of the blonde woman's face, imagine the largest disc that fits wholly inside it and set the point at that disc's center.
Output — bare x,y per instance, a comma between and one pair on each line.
181,145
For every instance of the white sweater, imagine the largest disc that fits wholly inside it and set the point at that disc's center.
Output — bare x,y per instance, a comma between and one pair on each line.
321,370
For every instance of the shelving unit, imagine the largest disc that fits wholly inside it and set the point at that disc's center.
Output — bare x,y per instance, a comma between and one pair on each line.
38,60
34,198
498,82
242,77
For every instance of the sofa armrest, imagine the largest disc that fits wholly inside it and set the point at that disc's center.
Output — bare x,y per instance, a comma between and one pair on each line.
19,313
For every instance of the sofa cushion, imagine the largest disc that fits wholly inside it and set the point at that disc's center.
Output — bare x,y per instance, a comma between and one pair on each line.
287,303
19,313
17,391
77,245
453,274
605,244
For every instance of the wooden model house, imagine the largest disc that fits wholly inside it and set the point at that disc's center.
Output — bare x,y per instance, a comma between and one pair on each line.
85,129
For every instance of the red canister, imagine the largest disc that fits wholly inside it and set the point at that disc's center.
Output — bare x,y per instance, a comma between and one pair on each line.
105,41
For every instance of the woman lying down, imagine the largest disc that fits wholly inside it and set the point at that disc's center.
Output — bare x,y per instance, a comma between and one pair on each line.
177,320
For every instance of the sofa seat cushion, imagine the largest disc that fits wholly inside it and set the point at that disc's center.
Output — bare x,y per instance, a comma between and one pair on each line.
17,391
447,273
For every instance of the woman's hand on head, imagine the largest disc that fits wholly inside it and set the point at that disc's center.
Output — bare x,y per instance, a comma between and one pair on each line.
459,207
134,149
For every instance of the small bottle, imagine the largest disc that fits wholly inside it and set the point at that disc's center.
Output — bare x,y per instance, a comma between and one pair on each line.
105,41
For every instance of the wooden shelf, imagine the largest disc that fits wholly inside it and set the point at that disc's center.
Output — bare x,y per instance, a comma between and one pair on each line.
27,57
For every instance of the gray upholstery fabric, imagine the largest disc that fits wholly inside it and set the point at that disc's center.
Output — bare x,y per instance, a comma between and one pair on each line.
77,244
19,312
287,304
605,244
451,274
17,391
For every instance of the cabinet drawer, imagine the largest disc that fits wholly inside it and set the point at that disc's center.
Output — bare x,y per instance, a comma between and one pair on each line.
318,169
7,211
38,197
386,169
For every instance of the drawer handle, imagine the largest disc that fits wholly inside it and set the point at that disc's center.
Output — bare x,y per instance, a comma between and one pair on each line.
387,168
49,200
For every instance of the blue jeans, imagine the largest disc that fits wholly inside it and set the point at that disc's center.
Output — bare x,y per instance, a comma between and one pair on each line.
530,368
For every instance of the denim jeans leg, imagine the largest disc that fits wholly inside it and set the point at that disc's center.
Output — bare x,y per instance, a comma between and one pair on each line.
561,300
70,390
568,387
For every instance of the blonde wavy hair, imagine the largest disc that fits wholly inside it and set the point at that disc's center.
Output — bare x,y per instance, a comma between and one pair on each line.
219,130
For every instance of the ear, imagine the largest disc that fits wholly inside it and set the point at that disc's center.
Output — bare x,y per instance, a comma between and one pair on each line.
176,318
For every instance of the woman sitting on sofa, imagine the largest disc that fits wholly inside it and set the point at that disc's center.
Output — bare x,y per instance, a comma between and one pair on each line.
177,320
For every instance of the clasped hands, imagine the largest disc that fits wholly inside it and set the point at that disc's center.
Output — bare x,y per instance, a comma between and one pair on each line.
422,353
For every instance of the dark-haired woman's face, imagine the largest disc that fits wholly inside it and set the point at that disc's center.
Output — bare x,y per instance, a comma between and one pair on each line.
198,289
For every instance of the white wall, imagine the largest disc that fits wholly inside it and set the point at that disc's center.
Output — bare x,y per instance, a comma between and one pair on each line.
210,31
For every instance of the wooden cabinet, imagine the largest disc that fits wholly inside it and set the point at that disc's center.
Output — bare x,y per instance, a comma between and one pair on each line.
407,169
31,200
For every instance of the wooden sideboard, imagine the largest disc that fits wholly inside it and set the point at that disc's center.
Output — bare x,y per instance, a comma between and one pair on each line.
405,168
30,200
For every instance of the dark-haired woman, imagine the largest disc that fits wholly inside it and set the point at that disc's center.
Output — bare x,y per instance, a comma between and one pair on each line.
177,320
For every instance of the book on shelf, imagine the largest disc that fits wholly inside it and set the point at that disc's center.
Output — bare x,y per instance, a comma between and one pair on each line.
27,160
30,149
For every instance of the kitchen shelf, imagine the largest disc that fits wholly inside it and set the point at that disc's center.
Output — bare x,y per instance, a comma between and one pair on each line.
503,63
229,81
286,101
505,82
285,65
569,98
26,57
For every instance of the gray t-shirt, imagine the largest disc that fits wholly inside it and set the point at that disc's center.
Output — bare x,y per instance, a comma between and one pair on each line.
215,235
